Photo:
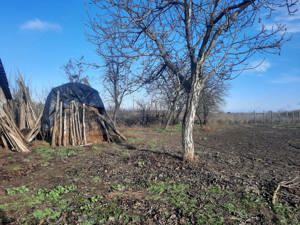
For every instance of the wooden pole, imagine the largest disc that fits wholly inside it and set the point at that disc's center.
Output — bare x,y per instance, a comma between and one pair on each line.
60,124
83,123
77,125
65,129
53,141
72,125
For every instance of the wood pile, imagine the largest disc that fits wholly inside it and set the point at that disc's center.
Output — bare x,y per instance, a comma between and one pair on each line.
26,116
10,136
70,124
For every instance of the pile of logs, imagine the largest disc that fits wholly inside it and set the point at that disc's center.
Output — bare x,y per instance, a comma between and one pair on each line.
69,124
26,116
10,135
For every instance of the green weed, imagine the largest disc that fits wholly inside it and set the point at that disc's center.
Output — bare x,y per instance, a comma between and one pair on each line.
287,215
55,193
17,190
141,163
48,153
174,194
46,213
118,187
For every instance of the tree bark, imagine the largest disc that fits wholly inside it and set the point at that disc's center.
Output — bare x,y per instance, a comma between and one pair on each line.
189,118
115,112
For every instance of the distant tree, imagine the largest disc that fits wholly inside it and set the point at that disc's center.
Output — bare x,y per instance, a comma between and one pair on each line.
211,98
75,70
118,77
119,82
216,37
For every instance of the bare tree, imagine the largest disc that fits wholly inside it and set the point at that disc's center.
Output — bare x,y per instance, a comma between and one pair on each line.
217,37
75,70
118,78
211,98
169,90
118,81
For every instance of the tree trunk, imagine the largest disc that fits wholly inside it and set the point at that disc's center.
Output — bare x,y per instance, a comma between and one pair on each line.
115,112
188,119
176,118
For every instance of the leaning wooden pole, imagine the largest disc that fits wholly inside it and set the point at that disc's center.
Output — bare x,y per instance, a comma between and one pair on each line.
60,124
53,141
83,124
65,129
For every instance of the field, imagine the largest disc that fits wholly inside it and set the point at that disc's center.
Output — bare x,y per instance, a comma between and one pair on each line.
144,181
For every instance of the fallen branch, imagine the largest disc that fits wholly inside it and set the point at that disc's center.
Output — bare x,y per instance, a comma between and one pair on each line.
294,183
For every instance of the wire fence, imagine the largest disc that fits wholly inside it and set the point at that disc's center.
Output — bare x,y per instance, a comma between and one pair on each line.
269,117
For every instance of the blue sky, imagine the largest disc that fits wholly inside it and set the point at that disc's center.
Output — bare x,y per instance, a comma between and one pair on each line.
38,37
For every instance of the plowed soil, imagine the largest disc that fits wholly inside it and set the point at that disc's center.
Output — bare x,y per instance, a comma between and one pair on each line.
144,180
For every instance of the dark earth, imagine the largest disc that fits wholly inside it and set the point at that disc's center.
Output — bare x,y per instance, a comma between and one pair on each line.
144,181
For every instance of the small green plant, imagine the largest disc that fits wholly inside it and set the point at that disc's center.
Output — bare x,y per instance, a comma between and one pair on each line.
209,219
46,213
286,215
175,194
55,193
135,140
17,190
167,187
141,163
215,190
118,187
96,179
48,153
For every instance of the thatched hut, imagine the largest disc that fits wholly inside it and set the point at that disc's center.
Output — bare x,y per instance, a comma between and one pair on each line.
74,114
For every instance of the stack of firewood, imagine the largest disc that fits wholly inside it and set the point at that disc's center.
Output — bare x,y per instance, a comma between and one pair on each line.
69,124
68,128
25,113
10,135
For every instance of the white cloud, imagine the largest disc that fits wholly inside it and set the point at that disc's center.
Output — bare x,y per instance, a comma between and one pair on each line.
37,24
291,22
286,79
259,66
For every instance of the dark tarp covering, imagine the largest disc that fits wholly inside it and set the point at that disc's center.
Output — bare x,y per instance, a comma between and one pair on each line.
77,92
4,82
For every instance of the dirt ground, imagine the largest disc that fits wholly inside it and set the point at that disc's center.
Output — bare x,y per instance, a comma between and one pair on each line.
144,181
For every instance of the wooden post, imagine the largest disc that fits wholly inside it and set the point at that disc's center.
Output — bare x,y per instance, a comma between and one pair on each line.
78,125
53,141
65,129
71,126
83,123
74,142
60,124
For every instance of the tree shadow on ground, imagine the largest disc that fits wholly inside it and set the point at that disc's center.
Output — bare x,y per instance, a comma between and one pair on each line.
159,153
